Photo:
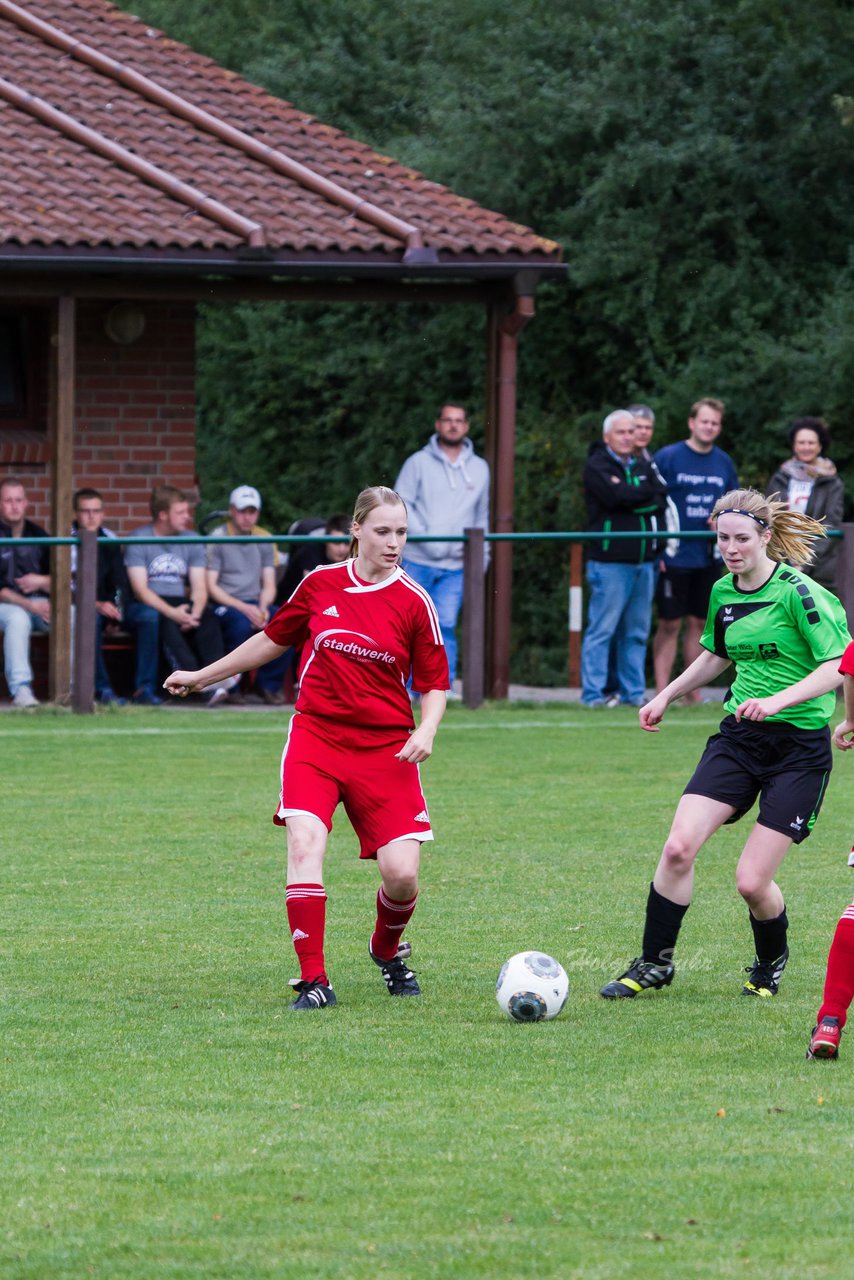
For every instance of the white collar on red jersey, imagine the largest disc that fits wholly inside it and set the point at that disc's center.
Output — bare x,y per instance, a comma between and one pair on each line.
359,585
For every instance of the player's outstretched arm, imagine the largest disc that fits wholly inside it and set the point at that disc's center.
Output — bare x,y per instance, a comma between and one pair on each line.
825,677
703,669
843,734
254,652
419,744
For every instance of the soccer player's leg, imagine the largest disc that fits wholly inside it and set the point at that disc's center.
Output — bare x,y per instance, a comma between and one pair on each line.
754,878
306,906
385,803
308,798
697,818
398,864
789,806
838,991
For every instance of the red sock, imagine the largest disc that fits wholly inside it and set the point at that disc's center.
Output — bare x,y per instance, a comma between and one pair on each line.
307,920
392,919
839,980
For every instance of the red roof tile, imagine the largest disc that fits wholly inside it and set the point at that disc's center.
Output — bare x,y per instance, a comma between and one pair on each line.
57,191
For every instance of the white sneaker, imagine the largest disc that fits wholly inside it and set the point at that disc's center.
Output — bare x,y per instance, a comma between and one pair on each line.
25,697
219,694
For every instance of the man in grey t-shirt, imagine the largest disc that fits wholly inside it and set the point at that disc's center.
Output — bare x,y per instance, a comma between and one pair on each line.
242,585
170,581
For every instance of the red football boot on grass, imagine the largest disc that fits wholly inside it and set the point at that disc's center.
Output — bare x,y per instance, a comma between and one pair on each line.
824,1042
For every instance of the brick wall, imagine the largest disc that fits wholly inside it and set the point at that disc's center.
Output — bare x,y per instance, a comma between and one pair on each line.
135,416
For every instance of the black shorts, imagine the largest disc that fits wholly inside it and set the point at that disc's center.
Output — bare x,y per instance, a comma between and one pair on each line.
788,768
685,592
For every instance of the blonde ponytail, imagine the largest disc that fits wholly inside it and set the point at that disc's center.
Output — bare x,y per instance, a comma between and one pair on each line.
793,534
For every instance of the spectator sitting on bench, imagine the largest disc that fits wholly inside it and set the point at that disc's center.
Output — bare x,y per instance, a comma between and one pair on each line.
242,585
169,583
310,555
112,589
24,590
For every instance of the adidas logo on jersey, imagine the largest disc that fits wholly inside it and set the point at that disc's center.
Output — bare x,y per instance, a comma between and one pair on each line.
331,612
423,816
297,935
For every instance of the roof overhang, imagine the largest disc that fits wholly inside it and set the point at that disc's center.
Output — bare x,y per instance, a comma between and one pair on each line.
261,265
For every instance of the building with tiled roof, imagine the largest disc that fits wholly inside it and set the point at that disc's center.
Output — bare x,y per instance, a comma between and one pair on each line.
119,142
138,177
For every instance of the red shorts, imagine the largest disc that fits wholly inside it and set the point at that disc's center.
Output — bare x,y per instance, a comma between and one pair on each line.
382,796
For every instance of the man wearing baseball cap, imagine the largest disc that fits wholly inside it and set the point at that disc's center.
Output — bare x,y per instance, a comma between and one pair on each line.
242,584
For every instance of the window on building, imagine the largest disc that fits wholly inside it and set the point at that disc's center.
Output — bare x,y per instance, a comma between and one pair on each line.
18,338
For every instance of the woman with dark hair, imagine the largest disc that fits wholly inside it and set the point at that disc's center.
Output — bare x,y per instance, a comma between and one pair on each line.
309,555
784,635
808,482
363,628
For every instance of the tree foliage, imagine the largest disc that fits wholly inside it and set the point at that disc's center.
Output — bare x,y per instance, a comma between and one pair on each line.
696,160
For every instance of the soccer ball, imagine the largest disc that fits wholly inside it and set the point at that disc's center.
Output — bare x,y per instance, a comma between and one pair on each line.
532,987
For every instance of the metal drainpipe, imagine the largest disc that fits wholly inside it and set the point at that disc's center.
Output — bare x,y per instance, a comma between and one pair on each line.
416,253
197,200
509,328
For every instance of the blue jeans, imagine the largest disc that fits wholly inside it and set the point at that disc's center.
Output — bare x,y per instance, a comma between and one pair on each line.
144,622
17,623
620,608
445,586
236,628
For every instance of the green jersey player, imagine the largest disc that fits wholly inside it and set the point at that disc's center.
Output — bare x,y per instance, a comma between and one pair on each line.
784,635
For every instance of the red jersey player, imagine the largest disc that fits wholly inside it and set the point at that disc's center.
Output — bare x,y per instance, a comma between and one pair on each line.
363,627
839,979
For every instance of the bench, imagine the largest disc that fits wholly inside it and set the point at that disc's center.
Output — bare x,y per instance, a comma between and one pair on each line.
118,657
118,650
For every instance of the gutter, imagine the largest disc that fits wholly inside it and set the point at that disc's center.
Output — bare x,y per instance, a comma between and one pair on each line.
415,254
220,213
64,259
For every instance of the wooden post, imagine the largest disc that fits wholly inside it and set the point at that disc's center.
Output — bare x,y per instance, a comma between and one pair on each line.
576,612
505,347
502,558
85,631
490,447
474,629
62,444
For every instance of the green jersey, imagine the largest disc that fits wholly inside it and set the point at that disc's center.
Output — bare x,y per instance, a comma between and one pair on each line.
775,636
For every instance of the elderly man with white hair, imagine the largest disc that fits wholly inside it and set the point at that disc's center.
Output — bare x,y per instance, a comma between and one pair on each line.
625,494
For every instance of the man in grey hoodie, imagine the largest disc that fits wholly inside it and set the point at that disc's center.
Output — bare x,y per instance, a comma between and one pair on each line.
446,489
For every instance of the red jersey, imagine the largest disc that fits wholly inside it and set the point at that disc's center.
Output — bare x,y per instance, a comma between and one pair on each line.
846,666
360,641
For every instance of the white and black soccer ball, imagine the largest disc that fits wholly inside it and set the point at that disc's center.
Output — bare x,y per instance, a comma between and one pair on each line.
532,987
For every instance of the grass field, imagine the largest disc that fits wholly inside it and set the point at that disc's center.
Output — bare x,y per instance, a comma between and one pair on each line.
164,1115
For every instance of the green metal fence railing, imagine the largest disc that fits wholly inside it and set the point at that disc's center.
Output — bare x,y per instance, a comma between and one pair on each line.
473,648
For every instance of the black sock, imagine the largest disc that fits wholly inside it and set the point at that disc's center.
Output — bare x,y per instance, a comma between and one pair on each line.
769,936
663,922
